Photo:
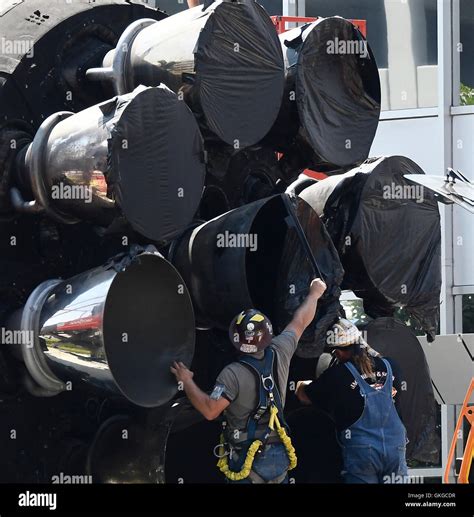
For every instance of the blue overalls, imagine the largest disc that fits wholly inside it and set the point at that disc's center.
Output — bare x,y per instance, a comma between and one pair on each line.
373,448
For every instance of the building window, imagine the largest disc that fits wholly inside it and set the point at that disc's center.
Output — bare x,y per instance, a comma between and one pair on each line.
403,37
465,49
468,313
354,310
169,6
273,7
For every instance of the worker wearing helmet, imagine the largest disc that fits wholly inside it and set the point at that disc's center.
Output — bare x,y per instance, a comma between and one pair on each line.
359,394
255,446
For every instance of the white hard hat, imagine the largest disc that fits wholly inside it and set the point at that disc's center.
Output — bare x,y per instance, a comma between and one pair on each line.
344,334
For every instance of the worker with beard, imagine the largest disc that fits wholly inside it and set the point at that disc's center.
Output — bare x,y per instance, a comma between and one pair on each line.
255,445
359,394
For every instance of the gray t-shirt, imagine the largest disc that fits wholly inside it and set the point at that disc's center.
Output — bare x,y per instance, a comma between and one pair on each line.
240,387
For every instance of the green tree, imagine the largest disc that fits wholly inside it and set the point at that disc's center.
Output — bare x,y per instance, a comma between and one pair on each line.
467,95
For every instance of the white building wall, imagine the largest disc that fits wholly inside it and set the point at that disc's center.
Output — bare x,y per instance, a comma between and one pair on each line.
463,223
414,138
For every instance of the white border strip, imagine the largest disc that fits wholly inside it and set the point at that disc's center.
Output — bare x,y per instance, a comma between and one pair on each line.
411,113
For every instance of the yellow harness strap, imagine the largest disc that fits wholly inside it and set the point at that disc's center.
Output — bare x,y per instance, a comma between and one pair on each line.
223,464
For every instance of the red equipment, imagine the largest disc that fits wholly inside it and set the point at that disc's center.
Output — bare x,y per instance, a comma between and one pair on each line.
281,21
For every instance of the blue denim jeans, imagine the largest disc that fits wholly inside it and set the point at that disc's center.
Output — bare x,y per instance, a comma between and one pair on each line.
366,464
269,464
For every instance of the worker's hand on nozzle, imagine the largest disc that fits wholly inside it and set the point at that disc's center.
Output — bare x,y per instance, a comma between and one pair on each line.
317,287
300,391
181,372
301,384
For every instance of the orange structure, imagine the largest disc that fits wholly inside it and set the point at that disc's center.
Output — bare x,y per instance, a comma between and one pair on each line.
281,21
467,412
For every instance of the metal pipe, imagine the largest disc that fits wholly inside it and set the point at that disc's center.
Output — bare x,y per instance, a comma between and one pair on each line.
117,327
26,321
138,156
116,71
224,58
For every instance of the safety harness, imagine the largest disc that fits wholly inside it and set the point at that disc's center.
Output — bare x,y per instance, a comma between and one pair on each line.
269,400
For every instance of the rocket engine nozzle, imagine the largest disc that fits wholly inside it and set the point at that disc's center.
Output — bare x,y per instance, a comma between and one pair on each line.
224,57
137,157
331,104
118,327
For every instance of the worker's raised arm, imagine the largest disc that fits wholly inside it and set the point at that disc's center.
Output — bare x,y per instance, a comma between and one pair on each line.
305,313
193,3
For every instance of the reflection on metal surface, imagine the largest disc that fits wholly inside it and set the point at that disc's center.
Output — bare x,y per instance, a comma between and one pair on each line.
98,165
117,327
224,57
72,318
